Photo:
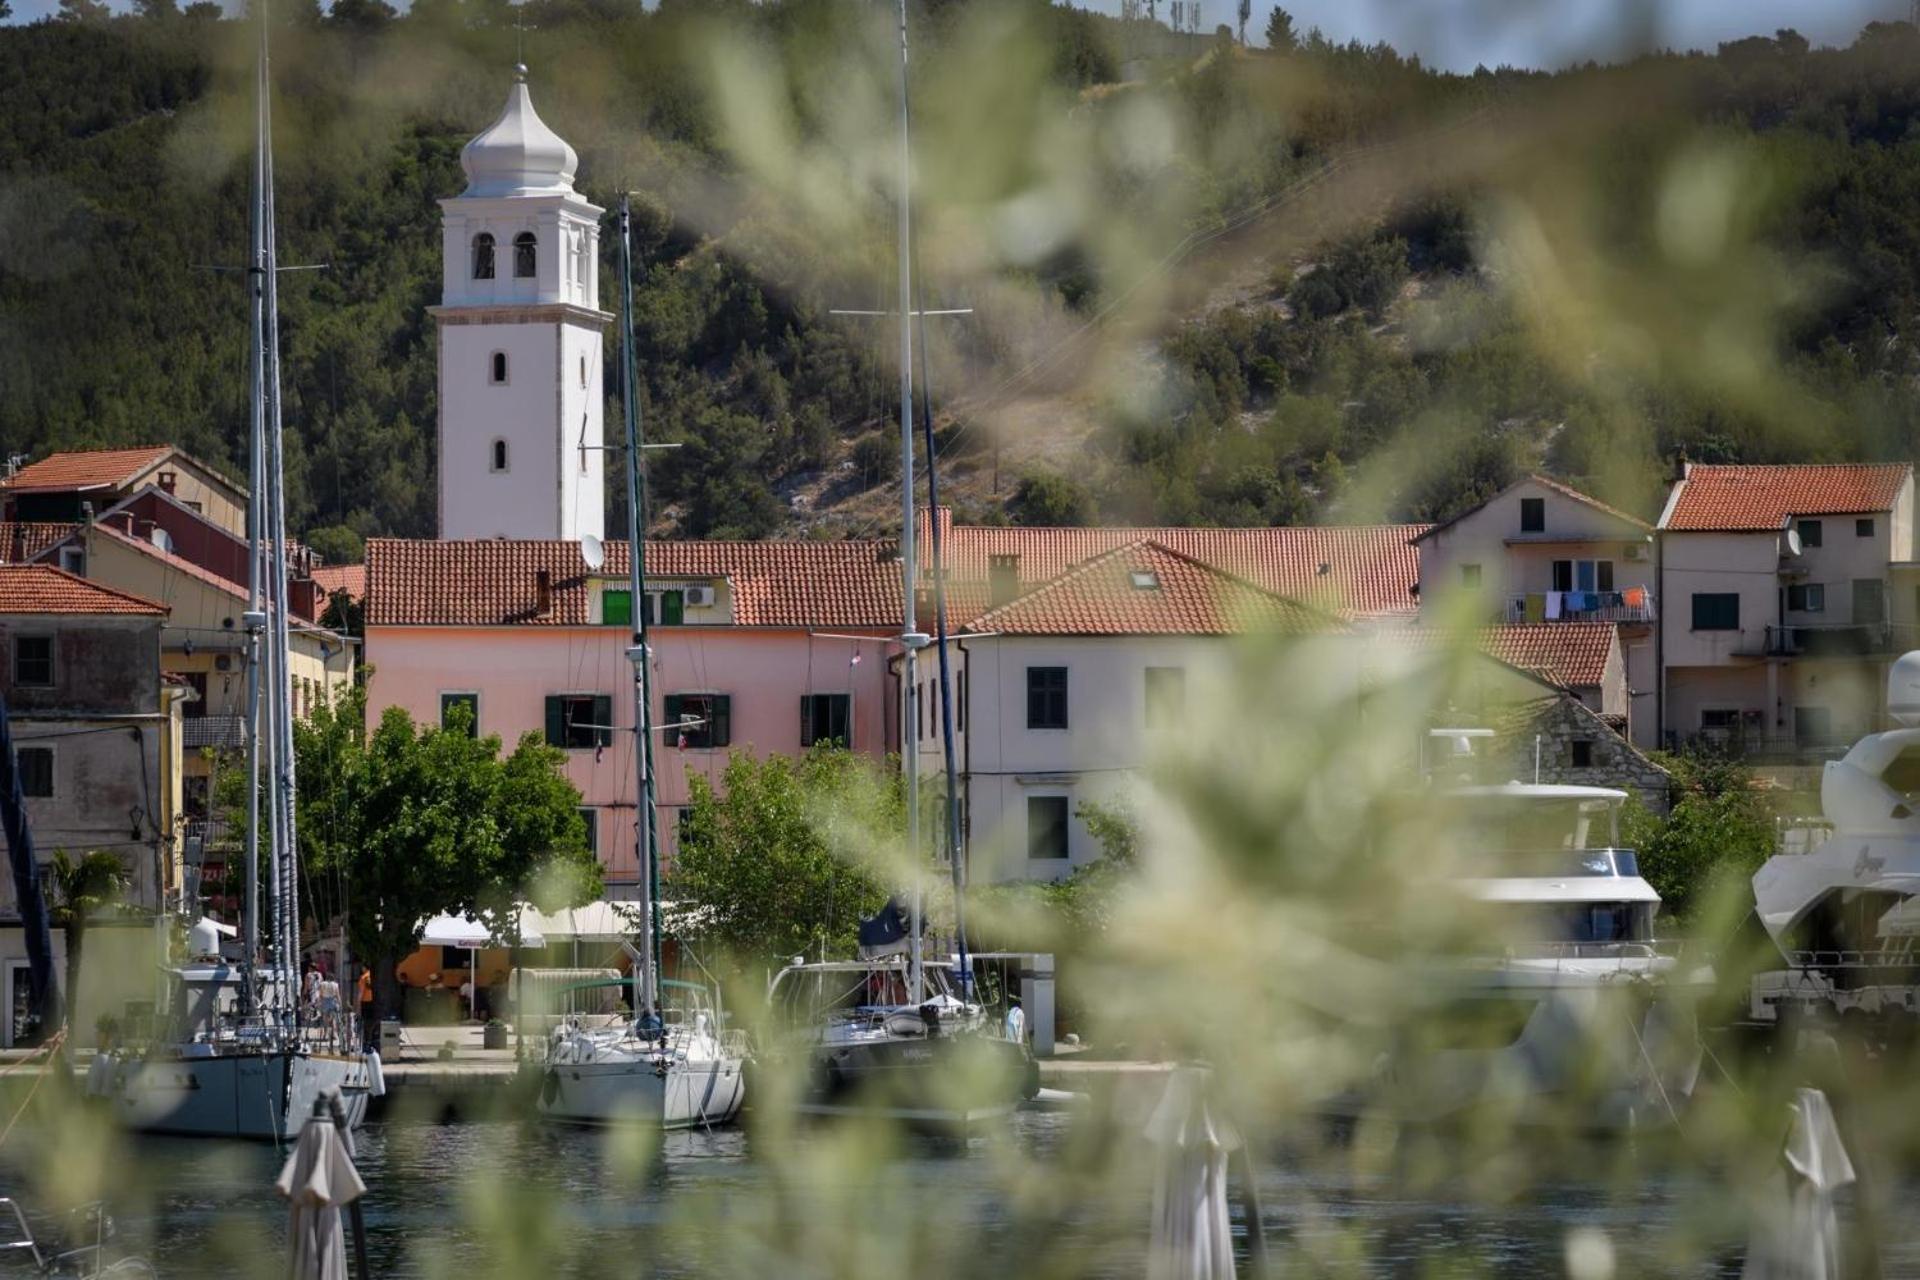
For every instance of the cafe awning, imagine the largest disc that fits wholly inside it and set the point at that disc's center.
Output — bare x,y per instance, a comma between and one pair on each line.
460,931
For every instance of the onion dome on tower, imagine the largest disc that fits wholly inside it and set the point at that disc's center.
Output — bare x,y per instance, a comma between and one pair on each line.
517,155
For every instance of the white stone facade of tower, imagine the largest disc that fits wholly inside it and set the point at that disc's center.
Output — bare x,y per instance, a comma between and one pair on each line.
521,340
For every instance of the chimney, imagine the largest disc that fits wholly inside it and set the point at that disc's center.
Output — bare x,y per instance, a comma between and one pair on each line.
1003,578
1680,465
923,605
543,592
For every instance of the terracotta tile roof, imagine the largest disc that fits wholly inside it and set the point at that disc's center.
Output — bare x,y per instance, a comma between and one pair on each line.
1568,655
85,469
419,582
1749,499
41,589
172,561
1147,588
24,540
1353,571
350,578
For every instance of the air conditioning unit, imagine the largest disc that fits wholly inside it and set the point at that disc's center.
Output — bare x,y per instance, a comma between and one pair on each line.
699,597
1636,551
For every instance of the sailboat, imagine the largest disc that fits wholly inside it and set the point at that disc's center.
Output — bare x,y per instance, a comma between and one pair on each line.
675,1067
887,1034
237,1059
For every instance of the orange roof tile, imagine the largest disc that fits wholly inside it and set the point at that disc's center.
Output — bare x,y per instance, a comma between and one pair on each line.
24,540
41,589
419,582
350,578
85,469
1739,499
1569,655
1350,570
1147,588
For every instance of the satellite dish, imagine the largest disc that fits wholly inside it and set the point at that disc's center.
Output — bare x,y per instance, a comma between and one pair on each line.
1793,542
593,551
162,539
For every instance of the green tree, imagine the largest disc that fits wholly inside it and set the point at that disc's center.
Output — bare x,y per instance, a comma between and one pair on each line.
1714,838
84,11
1280,37
418,821
1048,498
338,544
82,889
770,869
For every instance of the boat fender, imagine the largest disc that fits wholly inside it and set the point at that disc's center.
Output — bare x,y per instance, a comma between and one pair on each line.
100,1076
376,1078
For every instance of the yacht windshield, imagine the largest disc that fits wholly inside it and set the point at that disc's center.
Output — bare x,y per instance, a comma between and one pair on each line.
1586,922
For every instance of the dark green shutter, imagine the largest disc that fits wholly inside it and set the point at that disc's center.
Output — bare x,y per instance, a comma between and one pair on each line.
672,608
722,725
670,718
556,727
603,716
806,721
616,608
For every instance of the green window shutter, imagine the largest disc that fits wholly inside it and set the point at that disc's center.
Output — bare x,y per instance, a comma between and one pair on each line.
616,607
669,716
603,715
556,728
722,720
806,721
673,606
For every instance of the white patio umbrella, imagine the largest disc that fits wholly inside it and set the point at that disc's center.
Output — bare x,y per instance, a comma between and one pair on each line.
318,1180
1796,1233
472,935
1192,1233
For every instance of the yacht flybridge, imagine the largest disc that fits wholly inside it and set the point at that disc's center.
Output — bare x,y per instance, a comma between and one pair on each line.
1570,1015
1844,914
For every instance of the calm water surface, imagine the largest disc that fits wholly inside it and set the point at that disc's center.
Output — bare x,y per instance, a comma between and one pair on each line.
206,1209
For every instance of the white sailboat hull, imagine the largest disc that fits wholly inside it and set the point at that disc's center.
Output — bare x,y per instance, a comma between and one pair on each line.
681,1095
265,1095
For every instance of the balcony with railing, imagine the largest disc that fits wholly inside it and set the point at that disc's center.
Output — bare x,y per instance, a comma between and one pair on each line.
1633,605
1841,640
217,733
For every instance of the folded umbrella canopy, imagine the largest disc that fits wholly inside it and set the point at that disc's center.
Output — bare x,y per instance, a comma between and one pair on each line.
1192,1231
318,1180
1796,1236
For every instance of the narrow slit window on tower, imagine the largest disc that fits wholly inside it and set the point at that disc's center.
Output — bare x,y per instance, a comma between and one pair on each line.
483,256
497,368
499,455
523,246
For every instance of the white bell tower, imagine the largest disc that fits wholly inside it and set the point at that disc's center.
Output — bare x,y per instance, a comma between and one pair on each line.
520,339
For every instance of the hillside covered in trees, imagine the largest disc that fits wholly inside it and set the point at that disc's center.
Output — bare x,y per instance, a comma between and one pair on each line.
1210,284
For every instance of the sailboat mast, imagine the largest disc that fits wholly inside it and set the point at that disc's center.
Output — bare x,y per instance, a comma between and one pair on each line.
256,398
910,638
647,830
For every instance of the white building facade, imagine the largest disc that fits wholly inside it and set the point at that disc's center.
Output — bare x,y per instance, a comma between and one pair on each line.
521,340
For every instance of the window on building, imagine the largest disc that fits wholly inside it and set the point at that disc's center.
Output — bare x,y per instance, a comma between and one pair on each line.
1863,527
960,703
523,255
1719,724
1470,575
666,608
36,771
1716,611
826,717
583,372
1812,726
616,607
579,720
497,369
1811,532
33,662
73,559
483,256
698,721
463,709
497,457
1533,515
1166,696
590,819
1807,597
1869,601
1046,826
1580,753
1582,575
1046,697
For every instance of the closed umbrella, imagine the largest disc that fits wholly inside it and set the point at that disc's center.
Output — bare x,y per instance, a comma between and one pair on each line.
318,1179
1796,1233
1192,1233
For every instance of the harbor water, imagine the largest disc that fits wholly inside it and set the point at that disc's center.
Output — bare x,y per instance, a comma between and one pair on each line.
489,1198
